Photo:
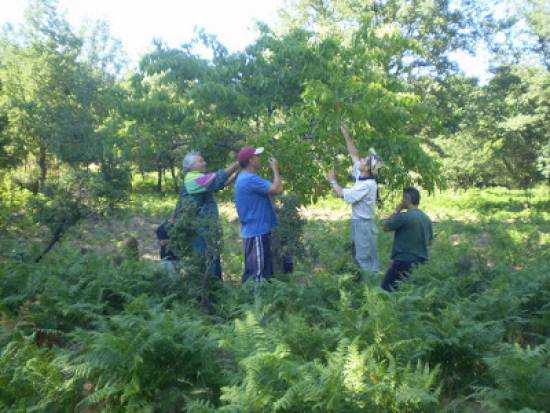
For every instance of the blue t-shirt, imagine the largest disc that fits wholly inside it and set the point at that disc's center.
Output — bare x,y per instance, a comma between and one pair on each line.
254,206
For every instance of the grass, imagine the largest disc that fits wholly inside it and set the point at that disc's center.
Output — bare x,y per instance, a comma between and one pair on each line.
494,221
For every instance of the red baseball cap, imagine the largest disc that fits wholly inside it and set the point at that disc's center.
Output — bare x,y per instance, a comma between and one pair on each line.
248,152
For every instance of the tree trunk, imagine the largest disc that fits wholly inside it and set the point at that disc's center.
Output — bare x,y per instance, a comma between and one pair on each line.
159,180
43,166
174,179
56,237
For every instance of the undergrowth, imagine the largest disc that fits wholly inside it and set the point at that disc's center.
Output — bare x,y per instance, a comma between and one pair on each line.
89,331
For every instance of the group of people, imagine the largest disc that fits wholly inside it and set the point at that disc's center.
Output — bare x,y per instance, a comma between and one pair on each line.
412,227
256,212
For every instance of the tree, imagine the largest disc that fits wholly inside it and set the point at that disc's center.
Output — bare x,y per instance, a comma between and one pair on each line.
59,99
429,30
11,151
184,103
290,92
502,137
40,85
521,35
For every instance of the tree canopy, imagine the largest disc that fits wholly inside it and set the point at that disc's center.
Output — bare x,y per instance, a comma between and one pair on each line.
381,67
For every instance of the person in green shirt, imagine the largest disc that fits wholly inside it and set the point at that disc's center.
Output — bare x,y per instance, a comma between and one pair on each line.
413,235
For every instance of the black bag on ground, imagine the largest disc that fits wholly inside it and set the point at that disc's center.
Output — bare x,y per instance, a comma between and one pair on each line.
162,231
162,235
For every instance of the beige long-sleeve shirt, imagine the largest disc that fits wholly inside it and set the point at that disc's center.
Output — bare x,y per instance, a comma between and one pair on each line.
361,196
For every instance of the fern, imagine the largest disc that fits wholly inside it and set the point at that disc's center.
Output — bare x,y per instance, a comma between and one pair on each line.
521,378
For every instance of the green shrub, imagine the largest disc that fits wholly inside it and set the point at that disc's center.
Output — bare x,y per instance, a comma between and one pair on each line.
521,379
467,332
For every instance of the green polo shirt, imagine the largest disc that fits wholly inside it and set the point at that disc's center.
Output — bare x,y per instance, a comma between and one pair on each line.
413,234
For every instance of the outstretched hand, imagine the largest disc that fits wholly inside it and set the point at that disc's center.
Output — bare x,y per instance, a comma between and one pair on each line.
274,163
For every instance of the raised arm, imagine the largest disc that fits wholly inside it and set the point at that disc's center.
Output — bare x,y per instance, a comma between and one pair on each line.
231,168
395,213
231,179
352,150
334,184
277,185
231,173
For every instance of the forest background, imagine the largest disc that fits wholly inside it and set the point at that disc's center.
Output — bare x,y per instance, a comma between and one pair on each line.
90,156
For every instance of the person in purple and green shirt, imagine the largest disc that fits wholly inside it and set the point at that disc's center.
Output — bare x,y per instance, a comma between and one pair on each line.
199,187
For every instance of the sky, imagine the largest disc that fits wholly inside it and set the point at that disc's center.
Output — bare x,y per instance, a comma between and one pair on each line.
137,22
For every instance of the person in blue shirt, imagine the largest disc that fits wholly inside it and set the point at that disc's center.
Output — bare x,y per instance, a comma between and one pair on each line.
256,213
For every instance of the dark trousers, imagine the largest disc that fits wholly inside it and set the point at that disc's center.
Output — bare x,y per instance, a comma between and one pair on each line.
258,262
398,271
213,263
